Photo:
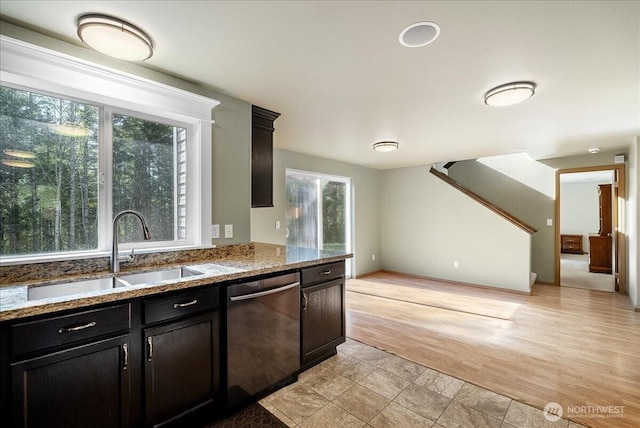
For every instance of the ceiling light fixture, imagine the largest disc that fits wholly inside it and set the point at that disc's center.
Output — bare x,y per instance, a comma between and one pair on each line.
594,150
419,34
385,146
19,154
114,37
509,94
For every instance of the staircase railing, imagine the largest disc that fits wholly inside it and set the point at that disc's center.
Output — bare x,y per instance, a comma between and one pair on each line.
522,225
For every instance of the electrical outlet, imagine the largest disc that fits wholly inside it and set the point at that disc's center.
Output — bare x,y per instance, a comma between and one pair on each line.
215,231
373,256
228,231
456,265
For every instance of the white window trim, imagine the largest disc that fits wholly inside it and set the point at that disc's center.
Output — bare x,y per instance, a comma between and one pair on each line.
40,69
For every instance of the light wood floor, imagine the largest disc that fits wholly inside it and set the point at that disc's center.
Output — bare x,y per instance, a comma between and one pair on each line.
566,345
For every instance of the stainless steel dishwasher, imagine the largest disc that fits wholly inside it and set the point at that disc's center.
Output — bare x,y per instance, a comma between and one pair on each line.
263,336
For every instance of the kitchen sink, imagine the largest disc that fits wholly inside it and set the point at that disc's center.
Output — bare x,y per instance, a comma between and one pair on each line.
47,291
157,275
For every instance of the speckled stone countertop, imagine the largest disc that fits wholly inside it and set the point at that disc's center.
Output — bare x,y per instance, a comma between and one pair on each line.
254,259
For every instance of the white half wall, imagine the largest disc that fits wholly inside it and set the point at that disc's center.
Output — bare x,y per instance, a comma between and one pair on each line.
427,225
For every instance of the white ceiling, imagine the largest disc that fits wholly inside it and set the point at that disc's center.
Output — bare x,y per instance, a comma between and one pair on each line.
340,79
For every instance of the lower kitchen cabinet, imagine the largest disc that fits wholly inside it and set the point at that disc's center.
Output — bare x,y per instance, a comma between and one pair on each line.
180,368
323,312
85,386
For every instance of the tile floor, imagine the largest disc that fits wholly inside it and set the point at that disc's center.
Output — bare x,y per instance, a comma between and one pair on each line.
363,386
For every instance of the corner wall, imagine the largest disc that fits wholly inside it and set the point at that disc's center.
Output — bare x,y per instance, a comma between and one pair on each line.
426,225
633,223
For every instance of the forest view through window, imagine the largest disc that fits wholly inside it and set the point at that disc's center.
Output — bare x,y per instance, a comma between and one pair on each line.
52,190
318,211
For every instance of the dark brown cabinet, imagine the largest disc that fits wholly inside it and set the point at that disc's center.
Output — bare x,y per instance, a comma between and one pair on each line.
323,312
66,373
571,244
180,368
181,364
262,156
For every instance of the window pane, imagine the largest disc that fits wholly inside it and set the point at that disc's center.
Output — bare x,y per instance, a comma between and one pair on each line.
48,174
302,211
333,215
149,176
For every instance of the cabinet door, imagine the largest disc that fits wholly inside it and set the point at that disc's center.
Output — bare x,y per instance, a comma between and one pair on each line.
323,324
179,368
87,386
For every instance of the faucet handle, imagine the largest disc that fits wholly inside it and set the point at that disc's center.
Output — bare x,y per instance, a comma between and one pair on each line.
127,257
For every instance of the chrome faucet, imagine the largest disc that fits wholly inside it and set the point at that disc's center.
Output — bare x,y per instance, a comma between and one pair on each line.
114,262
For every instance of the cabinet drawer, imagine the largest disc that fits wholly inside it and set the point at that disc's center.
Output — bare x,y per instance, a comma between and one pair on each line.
326,272
57,331
162,308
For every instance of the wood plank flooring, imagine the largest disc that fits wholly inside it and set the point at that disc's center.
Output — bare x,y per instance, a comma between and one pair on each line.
570,346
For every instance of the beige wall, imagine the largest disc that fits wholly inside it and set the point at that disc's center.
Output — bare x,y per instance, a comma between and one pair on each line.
366,184
525,203
426,225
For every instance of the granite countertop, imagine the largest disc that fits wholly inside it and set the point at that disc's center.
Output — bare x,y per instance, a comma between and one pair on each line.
266,258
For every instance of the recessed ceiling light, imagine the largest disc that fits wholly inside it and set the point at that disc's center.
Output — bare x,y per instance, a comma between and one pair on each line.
509,94
419,34
114,37
385,146
594,150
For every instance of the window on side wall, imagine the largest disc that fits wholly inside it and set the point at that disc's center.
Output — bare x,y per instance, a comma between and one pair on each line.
69,164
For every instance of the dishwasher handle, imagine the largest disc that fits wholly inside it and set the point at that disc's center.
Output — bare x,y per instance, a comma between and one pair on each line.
264,293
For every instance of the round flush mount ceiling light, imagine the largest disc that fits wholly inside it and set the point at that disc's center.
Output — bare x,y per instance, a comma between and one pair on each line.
114,37
594,150
419,34
385,146
509,94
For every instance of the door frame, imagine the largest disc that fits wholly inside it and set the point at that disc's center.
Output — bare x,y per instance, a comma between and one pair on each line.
618,203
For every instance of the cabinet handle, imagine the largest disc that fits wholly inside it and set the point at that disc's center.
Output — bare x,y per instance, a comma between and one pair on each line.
125,353
76,327
305,302
182,305
149,348
325,272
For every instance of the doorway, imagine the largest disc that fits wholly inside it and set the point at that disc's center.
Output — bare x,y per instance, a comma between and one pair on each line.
590,241
318,212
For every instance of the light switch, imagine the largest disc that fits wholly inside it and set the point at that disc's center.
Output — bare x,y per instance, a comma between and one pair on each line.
549,222
277,224
215,231
228,231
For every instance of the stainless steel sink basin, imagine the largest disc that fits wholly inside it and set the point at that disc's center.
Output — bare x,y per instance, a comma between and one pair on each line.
157,275
47,291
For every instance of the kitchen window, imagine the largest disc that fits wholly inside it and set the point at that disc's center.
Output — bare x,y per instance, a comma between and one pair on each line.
80,143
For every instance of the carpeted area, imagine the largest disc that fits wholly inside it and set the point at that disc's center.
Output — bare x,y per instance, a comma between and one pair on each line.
574,272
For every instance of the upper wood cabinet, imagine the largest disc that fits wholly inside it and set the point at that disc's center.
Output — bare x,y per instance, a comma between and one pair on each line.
262,156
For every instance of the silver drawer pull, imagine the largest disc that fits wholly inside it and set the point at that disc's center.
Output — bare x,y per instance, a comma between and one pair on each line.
325,272
76,327
182,305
